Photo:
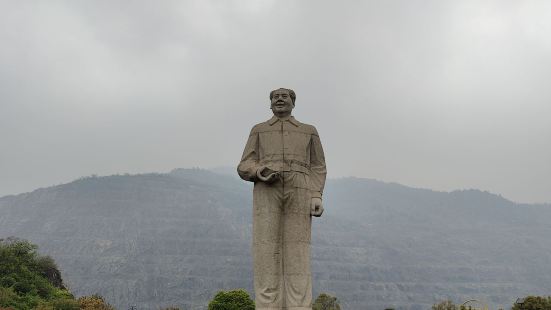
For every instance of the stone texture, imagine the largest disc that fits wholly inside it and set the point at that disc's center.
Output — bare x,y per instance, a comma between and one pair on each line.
284,199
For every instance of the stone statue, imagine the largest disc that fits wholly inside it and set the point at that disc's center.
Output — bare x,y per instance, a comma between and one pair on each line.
284,158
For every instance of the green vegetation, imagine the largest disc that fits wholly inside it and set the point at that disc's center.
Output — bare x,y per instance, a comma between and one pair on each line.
533,303
94,302
446,305
232,300
28,280
326,302
31,281
527,303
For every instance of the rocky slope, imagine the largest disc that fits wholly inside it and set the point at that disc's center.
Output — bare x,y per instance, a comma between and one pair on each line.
175,239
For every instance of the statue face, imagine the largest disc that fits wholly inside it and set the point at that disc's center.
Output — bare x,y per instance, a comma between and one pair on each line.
282,104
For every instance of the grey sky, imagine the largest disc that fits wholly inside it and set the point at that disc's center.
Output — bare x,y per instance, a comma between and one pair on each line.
436,94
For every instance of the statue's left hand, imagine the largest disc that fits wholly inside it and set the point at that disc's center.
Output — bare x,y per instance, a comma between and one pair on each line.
316,207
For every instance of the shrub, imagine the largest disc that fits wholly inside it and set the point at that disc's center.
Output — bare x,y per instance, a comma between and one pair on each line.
534,303
28,280
65,304
232,300
94,302
445,305
326,302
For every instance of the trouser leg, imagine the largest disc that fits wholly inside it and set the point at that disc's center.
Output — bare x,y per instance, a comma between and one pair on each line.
267,247
296,248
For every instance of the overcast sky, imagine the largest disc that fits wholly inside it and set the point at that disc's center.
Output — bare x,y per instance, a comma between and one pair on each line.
436,94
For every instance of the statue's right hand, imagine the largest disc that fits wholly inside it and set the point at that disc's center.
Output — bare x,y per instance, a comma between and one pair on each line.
270,178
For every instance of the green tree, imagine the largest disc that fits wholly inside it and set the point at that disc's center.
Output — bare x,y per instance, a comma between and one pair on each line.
8,298
533,303
326,302
27,279
232,300
31,281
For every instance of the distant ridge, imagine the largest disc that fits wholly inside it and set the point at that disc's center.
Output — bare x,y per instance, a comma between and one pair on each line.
176,238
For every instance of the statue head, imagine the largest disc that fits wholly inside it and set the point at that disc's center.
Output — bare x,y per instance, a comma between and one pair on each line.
282,101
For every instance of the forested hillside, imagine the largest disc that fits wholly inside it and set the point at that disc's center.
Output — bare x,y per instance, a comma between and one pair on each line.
176,239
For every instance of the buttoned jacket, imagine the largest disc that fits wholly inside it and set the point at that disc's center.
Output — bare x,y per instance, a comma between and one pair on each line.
285,145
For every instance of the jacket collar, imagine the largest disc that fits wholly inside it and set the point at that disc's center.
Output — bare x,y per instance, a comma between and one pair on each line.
290,119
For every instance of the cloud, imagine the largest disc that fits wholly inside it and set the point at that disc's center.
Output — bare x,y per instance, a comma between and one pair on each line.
439,94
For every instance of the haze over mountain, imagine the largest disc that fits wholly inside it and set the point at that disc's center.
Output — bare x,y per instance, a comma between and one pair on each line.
437,94
152,240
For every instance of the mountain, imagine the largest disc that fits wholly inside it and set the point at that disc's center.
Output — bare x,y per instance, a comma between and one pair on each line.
154,240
